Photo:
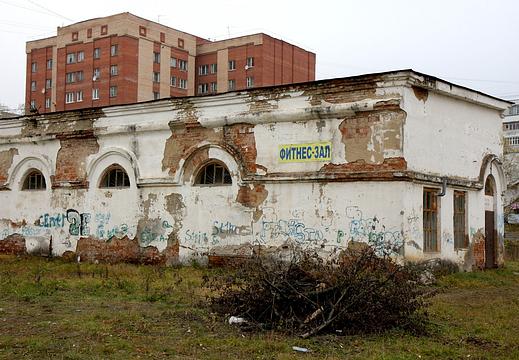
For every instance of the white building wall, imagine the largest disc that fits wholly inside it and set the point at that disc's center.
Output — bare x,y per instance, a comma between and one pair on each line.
324,205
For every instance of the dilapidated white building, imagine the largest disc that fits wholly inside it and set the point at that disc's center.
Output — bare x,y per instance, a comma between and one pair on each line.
398,160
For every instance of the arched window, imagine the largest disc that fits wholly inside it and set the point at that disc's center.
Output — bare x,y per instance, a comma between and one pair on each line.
34,181
115,177
213,174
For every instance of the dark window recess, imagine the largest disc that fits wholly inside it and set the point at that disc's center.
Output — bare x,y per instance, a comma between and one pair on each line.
460,235
34,181
430,220
213,174
115,178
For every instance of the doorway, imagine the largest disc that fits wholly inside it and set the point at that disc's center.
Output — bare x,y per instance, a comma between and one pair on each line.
490,224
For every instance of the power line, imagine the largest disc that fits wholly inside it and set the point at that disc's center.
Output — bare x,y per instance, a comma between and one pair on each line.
49,10
22,25
24,7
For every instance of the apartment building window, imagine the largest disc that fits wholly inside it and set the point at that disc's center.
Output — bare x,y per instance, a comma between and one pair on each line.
113,70
512,141
173,81
80,56
430,220
96,74
512,110
203,88
95,94
33,85
156,95
182,83
70,77
156,77
142,31
162,37
97,53
89,33
173,62
113,91
232,65
49,64
213,87
47,103
203,70
181,43
114,49
71,58
213,68
232,85
156,57
250,82
250,62
69,97
34,67
79,96
461,240
75,36
104,29
512,126
48,83
33,105
182,65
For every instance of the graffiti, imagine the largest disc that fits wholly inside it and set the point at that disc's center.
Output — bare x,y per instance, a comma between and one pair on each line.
52,221
103,231
147,236
373,232
222,229
154,231
25,231
78,223
288,230
197,237
340,236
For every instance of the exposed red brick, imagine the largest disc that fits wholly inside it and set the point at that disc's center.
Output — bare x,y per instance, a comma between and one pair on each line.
71,160
124,250
13,244
6,160
252,197
389,164
238,139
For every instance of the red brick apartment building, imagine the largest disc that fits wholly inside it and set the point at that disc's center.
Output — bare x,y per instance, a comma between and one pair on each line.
123,59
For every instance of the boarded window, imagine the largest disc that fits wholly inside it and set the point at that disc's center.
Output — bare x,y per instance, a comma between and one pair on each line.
460,233
430,220
115,177
34,181
213,174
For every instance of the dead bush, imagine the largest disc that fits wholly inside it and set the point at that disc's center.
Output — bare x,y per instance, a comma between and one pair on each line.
360,293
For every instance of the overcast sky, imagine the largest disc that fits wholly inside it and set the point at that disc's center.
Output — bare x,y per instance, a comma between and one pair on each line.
470,42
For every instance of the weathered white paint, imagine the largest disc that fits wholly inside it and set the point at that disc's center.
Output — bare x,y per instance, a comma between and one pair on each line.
447,135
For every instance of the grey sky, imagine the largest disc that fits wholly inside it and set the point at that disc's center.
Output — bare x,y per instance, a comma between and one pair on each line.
469,42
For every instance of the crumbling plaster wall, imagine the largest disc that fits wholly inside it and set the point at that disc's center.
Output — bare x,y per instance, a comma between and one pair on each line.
452,139
362,193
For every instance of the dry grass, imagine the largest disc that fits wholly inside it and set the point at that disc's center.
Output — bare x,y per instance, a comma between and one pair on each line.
53,309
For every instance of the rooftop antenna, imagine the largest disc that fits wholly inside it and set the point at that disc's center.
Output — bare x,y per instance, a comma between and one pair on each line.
228,31
158,17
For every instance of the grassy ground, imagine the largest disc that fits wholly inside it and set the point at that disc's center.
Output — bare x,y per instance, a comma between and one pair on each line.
58,310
